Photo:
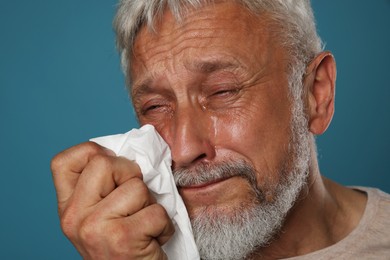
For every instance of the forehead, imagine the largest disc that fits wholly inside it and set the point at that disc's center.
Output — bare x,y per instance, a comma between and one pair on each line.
224,29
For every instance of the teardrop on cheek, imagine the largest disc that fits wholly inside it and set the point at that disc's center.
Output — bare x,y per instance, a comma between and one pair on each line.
213,129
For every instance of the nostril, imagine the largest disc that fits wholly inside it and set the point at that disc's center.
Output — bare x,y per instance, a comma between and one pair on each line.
200,157
197,159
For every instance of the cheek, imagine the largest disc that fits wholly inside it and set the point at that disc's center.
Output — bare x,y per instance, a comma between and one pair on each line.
252,129
163,127
260,135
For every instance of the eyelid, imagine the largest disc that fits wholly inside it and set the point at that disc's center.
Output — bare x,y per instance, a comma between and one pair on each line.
222,88
153,102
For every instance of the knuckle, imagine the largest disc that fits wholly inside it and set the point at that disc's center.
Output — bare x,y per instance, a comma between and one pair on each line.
57,162
120,237
158,211
140,187
68,222
101,162
60,160
90,230
91,147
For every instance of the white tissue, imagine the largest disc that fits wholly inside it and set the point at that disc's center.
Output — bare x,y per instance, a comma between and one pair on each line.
152,154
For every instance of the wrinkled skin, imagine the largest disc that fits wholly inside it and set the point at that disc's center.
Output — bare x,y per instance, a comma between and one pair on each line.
215,87
215,92
102,202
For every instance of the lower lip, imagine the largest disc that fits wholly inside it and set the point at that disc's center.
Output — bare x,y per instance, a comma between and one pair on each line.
205,185
210,193
220,192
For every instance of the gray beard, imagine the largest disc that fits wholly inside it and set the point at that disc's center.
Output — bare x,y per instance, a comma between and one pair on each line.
238,233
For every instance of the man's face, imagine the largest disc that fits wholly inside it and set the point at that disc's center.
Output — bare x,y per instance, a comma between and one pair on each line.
215,87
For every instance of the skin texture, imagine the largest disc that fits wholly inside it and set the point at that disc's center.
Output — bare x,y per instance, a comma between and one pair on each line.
212,100
102,201
215,92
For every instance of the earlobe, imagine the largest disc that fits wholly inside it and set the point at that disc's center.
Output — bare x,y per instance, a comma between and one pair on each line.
320,83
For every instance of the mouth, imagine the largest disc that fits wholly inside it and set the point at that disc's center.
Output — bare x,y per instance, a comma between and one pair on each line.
203,185
211,191
222,193
219,184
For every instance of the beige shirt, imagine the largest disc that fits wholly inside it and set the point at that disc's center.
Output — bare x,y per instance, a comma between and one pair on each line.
369,240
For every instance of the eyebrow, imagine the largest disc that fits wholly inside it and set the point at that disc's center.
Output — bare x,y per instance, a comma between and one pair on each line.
203,66
140,89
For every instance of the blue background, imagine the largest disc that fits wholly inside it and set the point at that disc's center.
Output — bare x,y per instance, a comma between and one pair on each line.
61,83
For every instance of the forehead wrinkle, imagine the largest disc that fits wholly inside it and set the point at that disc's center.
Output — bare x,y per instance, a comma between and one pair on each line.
208,66
164,46
171,37
168,55
172,45
169,28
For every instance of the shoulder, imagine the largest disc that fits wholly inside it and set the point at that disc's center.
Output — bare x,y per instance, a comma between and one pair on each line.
378,204
371,237
375,224
378,200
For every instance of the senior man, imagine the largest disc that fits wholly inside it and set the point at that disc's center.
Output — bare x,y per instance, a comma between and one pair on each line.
238,90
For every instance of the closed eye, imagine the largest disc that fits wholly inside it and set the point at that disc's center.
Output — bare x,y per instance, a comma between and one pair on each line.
222,96
225,92
154,107
151,108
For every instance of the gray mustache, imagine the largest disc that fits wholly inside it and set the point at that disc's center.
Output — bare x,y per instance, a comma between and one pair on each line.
203,173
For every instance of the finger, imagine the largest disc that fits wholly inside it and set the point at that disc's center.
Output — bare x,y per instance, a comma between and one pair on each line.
139,236
67,166
125,200
152,222
101,176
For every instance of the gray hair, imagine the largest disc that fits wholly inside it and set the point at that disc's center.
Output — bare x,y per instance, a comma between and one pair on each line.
294,20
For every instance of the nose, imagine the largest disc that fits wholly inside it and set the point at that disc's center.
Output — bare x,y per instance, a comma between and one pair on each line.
191,140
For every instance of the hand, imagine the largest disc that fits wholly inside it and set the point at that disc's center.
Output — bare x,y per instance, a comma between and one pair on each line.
105,208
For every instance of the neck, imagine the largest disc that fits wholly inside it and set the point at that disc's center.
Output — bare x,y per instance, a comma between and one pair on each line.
324,214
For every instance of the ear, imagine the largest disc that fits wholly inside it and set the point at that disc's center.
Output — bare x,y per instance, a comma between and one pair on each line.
320,84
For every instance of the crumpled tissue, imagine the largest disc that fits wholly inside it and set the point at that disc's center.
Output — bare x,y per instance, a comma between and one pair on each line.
146,147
